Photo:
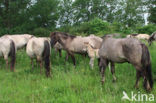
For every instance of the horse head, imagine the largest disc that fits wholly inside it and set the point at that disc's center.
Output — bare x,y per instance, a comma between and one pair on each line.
54,38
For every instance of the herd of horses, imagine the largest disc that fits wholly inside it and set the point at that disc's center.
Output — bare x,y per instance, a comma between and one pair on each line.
107,49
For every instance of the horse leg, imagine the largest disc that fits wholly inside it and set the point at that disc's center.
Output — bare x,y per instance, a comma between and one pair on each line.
32,64
91,62
103,64
39,59
7,63
60,54
113,71
73,58
67,55
146,82
40,66
138,75
98,61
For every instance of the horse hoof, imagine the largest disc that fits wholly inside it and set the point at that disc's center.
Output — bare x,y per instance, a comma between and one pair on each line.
148,89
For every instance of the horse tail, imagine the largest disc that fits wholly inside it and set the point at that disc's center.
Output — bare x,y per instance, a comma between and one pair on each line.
12,54
46,57
145,60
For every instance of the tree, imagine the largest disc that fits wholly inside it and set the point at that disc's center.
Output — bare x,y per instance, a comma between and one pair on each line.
130,13
44,13
12,12
82,11
152,11
66,13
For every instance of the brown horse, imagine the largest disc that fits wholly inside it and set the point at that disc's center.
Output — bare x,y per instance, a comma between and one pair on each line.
126,50
74,44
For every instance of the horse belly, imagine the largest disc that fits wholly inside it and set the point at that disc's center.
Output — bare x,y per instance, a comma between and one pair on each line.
78,48
20,45
118,59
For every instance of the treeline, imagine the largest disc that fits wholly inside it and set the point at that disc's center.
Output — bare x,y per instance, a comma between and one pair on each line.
39,17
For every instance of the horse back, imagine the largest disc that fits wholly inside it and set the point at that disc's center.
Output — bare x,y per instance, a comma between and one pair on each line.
111,49
132,50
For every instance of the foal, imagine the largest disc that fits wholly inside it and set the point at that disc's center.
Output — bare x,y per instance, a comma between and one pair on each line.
92,53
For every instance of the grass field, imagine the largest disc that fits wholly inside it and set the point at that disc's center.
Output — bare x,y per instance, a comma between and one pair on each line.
68,84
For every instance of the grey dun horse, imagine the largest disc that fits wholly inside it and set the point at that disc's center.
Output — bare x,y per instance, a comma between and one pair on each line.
126,50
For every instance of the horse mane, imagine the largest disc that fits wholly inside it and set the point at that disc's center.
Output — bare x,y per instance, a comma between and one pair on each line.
134,34
66,35
106,36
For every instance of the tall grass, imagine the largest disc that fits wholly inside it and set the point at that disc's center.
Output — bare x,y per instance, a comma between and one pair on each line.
68,84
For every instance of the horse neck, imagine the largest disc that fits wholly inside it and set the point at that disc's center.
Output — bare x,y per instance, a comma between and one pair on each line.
62,41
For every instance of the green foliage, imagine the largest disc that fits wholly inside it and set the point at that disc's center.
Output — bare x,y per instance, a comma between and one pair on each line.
92,27
4,31
44,13
75,16
149,29
152,12
42,32
98,25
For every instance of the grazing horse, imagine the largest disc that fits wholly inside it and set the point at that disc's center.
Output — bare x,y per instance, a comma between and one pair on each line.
58,47
7,48
152,38
39,48
20,40
74,44
126,50
139,36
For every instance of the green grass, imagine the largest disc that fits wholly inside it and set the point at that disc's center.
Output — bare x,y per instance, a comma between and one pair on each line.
68,84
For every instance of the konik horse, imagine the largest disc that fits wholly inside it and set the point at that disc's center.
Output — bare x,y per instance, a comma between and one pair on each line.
20,40
7,48
74,44
40,49
126,50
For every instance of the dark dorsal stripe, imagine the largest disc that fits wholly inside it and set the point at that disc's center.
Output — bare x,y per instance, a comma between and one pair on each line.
66,35
134,34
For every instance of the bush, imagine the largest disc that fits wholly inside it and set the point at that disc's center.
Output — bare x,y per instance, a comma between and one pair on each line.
4,31
98,25
42,32
148,29
95,26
